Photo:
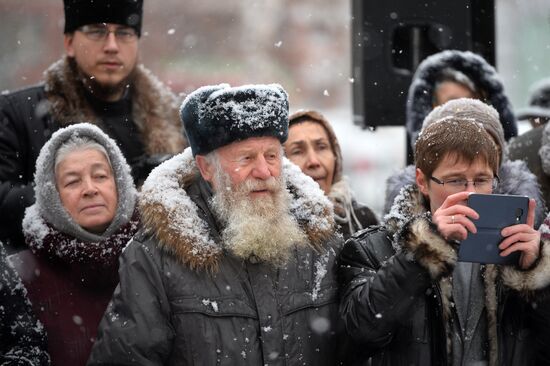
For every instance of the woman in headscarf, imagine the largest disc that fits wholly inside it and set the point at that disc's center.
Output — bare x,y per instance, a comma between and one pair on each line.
313,146
83,217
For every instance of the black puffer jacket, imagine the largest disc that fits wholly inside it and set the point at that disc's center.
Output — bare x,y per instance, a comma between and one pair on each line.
28,118
183,300
397,295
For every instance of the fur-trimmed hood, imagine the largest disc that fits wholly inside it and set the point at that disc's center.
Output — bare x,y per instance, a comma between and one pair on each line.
155,107
515,179
420,96
175,220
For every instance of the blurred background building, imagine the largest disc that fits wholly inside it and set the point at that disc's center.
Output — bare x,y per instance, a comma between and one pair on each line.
303,45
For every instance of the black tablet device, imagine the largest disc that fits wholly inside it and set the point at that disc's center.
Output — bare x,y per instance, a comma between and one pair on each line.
496,212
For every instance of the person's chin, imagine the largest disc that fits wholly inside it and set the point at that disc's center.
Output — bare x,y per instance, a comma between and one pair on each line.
96,224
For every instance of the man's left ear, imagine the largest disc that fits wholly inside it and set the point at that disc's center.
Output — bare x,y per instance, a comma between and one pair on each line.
422,182
205,168
68,44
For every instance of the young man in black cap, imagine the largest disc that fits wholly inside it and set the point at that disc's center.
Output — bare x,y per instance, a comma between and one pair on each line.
235,265
98,81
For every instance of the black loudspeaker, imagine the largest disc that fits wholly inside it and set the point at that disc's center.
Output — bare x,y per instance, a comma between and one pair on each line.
391,37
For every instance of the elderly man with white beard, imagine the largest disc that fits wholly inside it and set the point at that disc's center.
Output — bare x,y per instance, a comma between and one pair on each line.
235,263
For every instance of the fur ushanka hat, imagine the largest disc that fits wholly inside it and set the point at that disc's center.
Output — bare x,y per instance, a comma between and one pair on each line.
217,115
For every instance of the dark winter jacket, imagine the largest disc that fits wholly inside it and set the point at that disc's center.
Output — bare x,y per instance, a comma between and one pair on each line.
515,179
28,118
397,295
533,147
70,284
71,273
485,77
22,337
185,300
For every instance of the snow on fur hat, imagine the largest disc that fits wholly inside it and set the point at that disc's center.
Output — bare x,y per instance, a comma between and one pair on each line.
83,12
485,77
471,109
217,115
48,203
539,102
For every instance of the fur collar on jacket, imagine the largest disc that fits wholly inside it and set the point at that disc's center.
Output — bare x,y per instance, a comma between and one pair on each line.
154,108
413,232
170,214
515,178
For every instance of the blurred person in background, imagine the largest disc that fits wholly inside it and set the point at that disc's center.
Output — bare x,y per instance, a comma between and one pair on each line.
453,74
405,296
22,337
515,177
538,111
533,146
236,261
313,146
97,81
84,215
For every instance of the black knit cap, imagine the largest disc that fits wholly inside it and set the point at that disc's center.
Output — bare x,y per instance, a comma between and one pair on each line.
83,12
218,115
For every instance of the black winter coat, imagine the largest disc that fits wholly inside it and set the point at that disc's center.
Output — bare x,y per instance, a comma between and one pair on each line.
28,118
22,337
533,148
396,295
183,300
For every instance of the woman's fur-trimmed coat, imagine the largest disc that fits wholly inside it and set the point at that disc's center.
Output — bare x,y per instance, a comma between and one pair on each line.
29,117
185,299
397,294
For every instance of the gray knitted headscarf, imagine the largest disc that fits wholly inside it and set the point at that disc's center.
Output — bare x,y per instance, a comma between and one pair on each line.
48,203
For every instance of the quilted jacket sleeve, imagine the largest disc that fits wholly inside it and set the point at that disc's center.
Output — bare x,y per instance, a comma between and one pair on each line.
135,329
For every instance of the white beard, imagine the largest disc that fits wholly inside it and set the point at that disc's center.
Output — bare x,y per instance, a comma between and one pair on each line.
261,227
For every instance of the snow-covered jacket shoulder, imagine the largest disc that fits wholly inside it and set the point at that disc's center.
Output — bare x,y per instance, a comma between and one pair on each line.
185,299
421,90
515,179
172,217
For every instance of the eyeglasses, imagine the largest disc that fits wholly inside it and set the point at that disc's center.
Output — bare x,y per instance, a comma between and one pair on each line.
480,184
98,32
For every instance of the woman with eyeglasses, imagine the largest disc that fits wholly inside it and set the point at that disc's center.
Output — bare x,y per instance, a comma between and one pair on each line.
407,300
513,177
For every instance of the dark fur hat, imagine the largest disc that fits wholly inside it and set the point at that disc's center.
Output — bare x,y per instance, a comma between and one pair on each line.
217,115
83,12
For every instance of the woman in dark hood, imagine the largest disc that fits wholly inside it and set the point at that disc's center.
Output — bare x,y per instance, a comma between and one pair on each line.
83,217
313,146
